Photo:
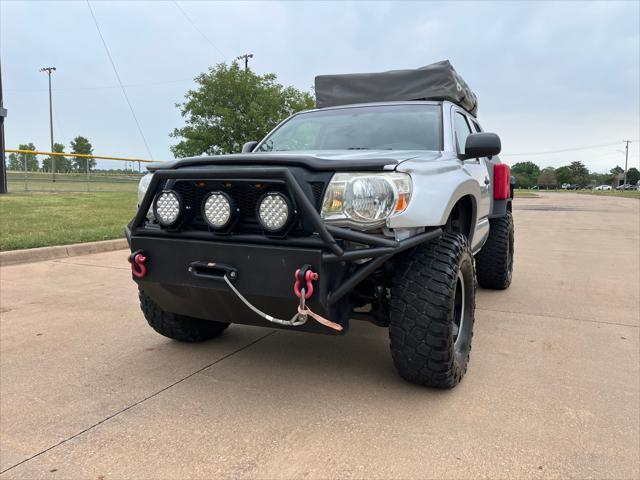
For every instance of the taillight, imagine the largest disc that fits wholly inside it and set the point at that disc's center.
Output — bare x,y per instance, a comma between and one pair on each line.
501,181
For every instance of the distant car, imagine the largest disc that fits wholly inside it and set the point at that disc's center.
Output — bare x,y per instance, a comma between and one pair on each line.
626,186
603,187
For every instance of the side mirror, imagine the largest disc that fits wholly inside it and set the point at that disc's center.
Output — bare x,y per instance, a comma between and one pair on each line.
480,145
249,146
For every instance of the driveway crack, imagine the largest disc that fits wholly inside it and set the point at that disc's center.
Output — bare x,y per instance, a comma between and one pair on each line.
129,407
547,316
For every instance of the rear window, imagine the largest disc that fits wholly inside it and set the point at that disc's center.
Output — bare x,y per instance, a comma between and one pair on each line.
383,127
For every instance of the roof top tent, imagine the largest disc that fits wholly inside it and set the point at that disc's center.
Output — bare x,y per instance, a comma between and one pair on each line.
438,81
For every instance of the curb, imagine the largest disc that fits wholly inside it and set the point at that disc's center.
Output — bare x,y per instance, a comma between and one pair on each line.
29,255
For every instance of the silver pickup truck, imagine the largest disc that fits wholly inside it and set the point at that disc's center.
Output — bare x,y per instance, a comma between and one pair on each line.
380,211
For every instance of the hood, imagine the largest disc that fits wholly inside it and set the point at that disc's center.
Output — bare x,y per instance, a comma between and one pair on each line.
335,160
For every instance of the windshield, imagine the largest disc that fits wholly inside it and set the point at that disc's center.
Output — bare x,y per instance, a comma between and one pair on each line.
383,127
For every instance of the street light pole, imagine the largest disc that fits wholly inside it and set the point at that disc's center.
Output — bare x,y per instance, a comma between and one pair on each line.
626,162
246,58
3,166
49,70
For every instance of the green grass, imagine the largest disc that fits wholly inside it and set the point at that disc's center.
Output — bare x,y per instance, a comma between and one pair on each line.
519,193
72,182
522,193
611,193
29,220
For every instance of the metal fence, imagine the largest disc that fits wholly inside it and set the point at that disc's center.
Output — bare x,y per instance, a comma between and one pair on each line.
73,172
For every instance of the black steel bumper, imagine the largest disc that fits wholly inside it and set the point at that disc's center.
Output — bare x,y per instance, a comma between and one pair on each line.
264,266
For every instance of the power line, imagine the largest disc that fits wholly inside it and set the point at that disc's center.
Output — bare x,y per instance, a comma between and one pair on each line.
184,14
104,87
115,70
564,150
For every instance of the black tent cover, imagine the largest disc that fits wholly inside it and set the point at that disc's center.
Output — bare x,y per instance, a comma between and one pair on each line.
438,81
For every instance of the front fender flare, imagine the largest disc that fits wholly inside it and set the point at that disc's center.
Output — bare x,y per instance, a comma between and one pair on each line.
434,195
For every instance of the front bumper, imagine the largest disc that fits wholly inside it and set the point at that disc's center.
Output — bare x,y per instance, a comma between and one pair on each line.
264,275
265,266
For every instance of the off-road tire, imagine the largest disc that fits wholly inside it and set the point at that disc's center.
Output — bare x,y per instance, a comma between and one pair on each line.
494,263
178,327
423,314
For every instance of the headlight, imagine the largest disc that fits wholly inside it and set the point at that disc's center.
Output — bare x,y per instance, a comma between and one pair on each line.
143,185
167,208
365,200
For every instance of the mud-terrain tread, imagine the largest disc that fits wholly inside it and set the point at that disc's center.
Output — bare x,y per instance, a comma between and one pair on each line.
178,327
492,266
420,329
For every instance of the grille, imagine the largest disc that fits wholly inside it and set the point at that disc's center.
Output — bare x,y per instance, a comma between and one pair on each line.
318,190
244,194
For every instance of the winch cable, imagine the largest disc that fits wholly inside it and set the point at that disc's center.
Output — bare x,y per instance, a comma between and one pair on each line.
299,318
294,322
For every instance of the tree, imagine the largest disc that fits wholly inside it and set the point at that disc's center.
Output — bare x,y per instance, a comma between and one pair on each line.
579,173
232,106
526,174
596,179
547,177
564,175
617,174
82,146
633,175
28,159
14,162
63,165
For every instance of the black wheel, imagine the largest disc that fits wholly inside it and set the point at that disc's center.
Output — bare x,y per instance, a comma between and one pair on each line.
178,327
432,312
494,263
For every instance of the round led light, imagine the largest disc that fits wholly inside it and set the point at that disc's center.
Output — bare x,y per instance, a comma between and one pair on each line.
216,210
273,211
167,207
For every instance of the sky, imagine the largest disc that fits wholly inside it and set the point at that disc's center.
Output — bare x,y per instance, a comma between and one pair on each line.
548,75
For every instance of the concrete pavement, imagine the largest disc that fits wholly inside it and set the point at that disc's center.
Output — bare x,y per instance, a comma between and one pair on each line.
88,390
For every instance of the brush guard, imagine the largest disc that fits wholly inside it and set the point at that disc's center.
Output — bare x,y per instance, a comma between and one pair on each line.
335,250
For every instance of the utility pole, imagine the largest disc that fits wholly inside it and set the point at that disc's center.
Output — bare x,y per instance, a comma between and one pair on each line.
626,160
3,166
49,70
246,58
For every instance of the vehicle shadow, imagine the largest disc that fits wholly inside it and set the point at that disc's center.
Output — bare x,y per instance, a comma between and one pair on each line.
285,361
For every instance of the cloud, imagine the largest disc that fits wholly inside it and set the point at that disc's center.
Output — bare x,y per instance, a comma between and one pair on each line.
548,75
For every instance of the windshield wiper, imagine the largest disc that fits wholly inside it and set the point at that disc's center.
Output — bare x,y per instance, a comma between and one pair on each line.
367,148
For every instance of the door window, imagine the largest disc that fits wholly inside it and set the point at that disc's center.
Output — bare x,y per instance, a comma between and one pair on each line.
461,130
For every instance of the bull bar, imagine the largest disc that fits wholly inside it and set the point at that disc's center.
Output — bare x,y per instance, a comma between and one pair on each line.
378,248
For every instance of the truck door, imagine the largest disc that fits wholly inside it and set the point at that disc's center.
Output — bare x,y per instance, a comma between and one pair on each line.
476,167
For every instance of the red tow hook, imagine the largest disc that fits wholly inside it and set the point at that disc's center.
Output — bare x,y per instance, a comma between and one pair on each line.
306,275
137,259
